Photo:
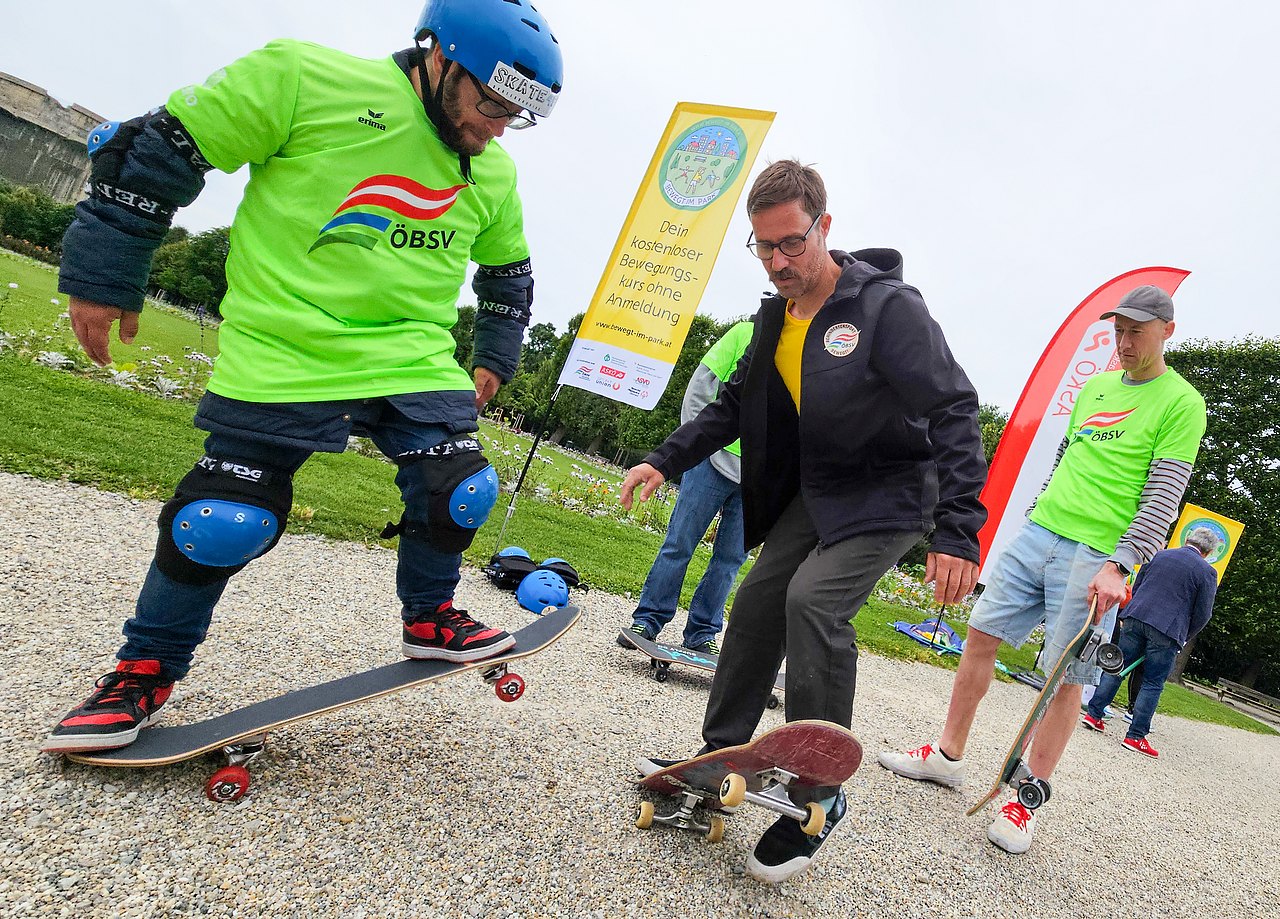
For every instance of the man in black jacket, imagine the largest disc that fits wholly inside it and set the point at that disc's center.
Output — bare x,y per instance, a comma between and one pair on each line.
859,436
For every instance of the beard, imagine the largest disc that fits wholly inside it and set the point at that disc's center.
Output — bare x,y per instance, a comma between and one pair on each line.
451,135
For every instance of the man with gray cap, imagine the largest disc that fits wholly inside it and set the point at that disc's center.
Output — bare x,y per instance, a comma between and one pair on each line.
1172,601
1114,491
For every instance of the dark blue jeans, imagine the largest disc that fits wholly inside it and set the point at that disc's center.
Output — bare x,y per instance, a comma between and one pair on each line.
704,492
1136,639
171,618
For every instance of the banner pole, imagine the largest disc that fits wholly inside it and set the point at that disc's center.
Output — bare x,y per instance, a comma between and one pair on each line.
528,461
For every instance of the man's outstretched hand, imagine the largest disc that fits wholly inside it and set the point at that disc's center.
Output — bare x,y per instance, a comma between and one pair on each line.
645,475
92,324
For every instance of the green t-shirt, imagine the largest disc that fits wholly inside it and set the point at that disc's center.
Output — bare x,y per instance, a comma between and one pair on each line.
722,359
1116,431
355,232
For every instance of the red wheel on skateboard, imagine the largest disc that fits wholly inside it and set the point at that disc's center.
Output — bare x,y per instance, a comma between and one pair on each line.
227,784
510,687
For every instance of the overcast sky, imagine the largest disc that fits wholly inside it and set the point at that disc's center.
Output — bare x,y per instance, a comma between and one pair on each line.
1019,155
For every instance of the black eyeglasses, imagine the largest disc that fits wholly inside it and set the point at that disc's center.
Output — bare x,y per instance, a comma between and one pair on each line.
490,107
791,246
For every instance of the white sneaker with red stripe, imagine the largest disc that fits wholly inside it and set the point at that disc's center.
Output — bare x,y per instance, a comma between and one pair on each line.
126,701
450,634
925,764
1014,829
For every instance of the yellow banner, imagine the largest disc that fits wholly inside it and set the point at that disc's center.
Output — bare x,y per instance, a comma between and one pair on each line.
1227,530
640,314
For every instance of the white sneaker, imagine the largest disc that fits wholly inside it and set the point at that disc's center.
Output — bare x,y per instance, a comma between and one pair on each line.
925,764
1014,829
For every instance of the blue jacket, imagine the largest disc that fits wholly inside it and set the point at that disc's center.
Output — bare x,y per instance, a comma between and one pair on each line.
1174,593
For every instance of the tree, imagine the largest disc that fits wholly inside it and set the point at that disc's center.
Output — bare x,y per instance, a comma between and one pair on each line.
464,332
991,422
1237,474
193,268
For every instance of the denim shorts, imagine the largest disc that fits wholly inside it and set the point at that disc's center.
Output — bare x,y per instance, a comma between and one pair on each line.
1042,577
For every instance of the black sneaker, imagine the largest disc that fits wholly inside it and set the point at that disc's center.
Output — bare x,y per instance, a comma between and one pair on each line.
710,646
784,850
450,634
641,630
126,701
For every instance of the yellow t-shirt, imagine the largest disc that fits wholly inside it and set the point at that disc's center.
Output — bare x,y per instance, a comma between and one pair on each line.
790,347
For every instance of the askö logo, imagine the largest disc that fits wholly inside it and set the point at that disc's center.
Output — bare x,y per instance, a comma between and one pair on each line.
358,222
611,372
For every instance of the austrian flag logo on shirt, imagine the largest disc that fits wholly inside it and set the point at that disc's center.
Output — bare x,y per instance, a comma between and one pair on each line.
361,218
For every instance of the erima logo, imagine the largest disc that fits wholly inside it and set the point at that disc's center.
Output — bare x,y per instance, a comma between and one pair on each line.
372,121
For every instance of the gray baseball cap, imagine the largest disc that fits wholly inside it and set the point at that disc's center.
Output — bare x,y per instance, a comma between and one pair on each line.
1142,304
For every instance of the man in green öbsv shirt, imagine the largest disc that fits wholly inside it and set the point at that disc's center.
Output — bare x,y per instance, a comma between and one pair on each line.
1132,440
372,186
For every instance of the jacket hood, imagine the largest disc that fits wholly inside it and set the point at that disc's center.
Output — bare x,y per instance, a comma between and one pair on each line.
858,268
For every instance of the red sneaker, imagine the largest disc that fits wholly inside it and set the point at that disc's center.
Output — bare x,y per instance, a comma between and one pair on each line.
1093,724
1140,745
127,700
451,634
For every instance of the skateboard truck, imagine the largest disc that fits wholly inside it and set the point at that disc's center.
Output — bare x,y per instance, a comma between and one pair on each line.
733,791
1032,792
232,781
509,686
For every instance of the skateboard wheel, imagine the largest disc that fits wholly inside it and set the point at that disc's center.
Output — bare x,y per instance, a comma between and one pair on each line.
510,687
1110,658
817,819
644,815
660,674
773,702
715,832
1033,793
227,784
733,790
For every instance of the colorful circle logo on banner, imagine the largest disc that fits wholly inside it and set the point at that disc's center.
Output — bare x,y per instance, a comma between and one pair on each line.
702,163
1218,530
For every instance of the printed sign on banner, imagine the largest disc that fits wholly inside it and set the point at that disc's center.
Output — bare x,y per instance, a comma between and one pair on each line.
1227,530
1084,345
631,335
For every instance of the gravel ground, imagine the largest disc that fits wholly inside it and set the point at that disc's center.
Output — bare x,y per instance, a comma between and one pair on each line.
443,801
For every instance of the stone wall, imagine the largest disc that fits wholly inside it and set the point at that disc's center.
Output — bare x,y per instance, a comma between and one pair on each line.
42,142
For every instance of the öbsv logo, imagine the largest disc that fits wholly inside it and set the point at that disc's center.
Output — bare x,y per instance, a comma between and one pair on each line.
359,219
702,163
841,339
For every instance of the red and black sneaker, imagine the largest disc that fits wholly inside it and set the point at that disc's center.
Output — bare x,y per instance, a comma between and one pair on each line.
126,701
450,634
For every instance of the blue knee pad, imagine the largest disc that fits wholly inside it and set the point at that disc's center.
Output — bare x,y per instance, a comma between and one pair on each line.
461,488
223,533
223,515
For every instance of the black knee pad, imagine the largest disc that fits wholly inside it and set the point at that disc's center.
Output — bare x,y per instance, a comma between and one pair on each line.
223,515
462,488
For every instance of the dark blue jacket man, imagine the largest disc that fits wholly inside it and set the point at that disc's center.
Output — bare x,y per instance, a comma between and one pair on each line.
1172,601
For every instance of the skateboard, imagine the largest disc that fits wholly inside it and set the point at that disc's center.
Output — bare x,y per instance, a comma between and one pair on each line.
241,734
800,754
661,657
1088,645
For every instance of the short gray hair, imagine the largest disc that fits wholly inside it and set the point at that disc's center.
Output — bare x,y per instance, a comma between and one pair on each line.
1203,540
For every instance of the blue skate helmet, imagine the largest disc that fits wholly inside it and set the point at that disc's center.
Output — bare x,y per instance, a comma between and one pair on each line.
542,589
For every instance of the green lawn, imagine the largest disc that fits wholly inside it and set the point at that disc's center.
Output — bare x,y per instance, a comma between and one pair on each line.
62,426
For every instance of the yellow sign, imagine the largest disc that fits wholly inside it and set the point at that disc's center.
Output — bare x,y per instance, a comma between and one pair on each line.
637,321
1227,530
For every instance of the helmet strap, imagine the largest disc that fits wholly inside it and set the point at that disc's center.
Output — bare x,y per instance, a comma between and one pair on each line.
433,103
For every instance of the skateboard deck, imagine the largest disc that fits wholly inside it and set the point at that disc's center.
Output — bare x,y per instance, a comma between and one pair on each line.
661,657
247,727
1033,791
801,754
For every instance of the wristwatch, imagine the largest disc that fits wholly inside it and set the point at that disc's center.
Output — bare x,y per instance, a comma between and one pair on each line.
1119,567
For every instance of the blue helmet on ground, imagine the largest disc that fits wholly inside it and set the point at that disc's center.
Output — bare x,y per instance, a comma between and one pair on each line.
513,552
508,567
562,568
542,589
506,44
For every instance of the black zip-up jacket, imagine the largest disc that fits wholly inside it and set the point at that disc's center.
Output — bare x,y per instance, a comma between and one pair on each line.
887,434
